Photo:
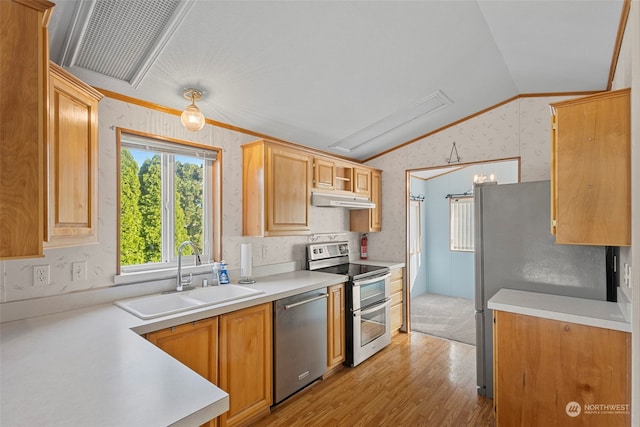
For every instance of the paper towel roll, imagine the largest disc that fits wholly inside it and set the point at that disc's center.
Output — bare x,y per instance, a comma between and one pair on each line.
245,260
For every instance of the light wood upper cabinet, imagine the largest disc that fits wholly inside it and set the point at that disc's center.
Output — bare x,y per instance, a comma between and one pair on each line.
246,363
72,160
23,78
362,181
591,170
324,174
195,345
335,327
276,188
369,220
542,365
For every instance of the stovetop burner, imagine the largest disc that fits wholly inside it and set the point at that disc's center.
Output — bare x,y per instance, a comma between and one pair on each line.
333,257
354,271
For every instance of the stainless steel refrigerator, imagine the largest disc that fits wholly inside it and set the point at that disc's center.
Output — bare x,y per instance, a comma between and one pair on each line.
514,249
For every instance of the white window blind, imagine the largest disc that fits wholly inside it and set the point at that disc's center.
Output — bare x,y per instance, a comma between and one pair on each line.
461,223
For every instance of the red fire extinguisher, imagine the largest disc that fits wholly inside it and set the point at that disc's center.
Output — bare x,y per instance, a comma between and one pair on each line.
363,247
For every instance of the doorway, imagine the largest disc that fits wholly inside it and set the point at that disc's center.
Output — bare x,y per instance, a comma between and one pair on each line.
440,265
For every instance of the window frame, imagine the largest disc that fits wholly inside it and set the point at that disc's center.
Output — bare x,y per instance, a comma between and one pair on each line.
212,233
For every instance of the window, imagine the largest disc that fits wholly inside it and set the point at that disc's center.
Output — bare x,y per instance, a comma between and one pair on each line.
461,223
415,240
169,193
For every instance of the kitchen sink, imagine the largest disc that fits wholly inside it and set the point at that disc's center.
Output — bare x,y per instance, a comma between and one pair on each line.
222,293
150,307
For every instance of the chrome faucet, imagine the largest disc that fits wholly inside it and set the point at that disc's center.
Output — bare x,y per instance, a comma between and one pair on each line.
182,283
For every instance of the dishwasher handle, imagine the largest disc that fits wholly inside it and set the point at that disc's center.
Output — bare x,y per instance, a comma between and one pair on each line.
307,301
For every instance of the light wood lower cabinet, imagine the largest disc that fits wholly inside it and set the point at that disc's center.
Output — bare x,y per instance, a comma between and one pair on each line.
195,345
553,373
246,363
397,281
234,352
335,328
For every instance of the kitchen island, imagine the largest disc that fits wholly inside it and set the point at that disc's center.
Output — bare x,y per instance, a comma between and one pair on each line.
92,367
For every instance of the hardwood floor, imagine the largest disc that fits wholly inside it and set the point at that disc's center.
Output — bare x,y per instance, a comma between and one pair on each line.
416,381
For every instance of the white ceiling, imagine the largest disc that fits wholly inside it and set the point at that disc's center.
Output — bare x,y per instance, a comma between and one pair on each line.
363,75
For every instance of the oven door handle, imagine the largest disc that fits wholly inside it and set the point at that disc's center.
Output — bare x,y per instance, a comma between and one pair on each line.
368,281
377,307
307,301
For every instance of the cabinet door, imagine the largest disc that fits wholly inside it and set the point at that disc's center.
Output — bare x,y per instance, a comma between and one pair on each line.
396,289
324,173
376,197
362,181
288,190
542,365
335,326
195,345
592,170
246,363
23,78
73,160
369,220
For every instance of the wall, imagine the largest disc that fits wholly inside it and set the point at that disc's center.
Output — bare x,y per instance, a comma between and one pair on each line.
16,275
518,128
627,74
447,272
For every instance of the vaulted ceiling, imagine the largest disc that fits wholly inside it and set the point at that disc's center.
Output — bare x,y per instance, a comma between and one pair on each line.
353,78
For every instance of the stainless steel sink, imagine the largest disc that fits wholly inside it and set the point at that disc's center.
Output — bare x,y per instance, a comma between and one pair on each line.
150,307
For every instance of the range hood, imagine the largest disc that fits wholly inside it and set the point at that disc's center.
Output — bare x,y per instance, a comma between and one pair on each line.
340,201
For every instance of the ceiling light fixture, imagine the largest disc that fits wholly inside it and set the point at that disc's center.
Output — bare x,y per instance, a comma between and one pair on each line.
192,118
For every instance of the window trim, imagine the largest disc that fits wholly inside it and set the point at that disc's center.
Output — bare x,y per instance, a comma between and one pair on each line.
216,193
454,241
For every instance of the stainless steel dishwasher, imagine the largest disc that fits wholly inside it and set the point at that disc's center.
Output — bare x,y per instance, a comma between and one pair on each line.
300,342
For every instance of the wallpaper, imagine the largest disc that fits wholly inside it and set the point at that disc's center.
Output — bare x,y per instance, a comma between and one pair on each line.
519,128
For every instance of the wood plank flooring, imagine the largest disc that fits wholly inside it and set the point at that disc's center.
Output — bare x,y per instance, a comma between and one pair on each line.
418,380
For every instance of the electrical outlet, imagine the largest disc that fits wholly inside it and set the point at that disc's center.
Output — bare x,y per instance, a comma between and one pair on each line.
79,271
265,252
40,275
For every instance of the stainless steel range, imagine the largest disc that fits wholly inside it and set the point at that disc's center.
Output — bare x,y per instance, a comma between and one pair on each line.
368,320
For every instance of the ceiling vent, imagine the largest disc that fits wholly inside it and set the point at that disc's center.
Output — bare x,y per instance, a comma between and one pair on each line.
121,39
428,105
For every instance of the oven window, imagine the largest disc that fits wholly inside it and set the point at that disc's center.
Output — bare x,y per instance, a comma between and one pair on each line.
372,325
372,293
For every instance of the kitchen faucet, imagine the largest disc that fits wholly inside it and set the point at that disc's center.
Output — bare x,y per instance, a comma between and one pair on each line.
185,284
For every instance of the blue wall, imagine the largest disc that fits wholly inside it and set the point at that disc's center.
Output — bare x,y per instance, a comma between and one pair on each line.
442,271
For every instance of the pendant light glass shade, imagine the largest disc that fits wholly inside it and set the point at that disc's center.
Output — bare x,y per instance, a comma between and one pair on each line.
192,118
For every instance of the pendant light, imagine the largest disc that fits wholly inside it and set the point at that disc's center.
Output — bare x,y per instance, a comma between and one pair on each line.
192,118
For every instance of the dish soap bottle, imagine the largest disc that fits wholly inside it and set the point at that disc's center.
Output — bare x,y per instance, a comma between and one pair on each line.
223,277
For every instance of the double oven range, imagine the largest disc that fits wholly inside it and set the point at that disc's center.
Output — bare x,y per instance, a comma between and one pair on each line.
367,297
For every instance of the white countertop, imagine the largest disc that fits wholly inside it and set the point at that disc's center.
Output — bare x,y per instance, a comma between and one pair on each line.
91,367
601,314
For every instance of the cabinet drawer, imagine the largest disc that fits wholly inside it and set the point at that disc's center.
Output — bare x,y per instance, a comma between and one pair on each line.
396,273
396,317
396,285
396,298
